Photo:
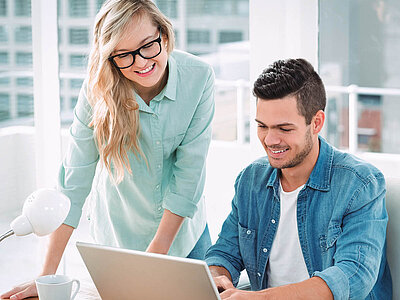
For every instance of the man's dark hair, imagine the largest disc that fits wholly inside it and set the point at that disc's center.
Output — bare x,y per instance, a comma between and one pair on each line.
293,77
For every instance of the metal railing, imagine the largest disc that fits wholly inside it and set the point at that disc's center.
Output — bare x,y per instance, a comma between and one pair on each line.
353,91
243,94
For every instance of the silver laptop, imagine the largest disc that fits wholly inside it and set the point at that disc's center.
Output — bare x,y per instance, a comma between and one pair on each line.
126,274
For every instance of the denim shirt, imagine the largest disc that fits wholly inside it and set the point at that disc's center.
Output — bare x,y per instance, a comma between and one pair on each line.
341,217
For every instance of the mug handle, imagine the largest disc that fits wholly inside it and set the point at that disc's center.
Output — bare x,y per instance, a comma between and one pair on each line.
78,285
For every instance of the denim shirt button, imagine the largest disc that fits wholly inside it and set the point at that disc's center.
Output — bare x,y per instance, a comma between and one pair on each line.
259,274
248,231
273,221
265,250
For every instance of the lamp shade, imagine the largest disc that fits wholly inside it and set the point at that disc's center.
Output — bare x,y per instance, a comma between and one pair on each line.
43,212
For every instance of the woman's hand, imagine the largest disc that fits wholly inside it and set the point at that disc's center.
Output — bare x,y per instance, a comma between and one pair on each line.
22,291
58,241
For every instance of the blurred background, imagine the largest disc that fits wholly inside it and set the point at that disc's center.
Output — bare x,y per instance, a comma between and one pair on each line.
353,44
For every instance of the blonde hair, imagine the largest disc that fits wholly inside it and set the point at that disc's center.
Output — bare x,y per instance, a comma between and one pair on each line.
115,110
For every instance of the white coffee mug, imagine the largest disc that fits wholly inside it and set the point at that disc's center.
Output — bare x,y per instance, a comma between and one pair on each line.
56,287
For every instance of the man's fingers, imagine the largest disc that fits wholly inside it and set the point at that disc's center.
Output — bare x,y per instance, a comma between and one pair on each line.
227,293
223,283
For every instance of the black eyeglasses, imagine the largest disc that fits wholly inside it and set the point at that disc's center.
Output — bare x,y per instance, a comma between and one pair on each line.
147,51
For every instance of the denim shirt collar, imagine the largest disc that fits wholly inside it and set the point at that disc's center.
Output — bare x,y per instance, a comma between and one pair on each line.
321,174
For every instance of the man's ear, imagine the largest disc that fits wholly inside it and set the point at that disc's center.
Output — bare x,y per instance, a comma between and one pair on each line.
317,122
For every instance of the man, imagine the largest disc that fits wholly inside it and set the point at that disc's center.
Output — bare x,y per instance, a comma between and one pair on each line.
309,221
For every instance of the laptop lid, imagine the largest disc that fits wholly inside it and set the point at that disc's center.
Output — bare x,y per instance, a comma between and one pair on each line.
128,274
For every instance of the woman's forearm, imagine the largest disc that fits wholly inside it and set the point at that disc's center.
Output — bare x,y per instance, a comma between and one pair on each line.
166,232
58,242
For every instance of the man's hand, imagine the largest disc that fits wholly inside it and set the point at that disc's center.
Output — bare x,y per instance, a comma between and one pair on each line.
235,294
223,283
310,289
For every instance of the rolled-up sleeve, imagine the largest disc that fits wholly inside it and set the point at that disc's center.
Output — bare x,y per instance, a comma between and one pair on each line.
80,161
188,176
358,256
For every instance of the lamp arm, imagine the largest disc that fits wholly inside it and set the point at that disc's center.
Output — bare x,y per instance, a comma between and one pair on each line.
6,235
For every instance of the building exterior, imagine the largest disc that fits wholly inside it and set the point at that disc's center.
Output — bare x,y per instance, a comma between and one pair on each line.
201,27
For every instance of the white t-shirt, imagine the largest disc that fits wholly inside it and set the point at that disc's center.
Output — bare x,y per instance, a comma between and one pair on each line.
286,262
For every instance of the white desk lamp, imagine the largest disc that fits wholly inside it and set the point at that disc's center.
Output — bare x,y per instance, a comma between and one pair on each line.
43,212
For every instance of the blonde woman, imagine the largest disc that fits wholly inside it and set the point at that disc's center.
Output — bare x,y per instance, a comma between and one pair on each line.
139,141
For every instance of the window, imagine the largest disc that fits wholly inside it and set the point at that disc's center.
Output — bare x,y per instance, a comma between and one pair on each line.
25,105
78,8
23,59
77,61
176,34
5,81
3,8
218,7
22,8
76,84
73,101
62,103
25,81
99,4
3,58
3,34
78,36
198,36
359,45
23,35
4,106
230,36
206,28
205,7
59,34
168,7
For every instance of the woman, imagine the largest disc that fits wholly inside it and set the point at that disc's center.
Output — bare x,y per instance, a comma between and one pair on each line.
139,140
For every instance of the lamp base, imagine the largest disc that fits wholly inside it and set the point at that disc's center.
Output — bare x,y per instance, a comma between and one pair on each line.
6,235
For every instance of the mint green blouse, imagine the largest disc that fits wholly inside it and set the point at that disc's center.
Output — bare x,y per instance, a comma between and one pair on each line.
175,136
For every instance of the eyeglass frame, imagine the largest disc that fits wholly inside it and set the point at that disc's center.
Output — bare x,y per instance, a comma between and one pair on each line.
137,52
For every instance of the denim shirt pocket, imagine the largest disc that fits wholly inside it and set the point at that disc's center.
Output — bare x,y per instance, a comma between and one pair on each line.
248,247
328,241
171,143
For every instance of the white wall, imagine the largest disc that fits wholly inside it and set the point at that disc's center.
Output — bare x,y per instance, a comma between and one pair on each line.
280,30
17,167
